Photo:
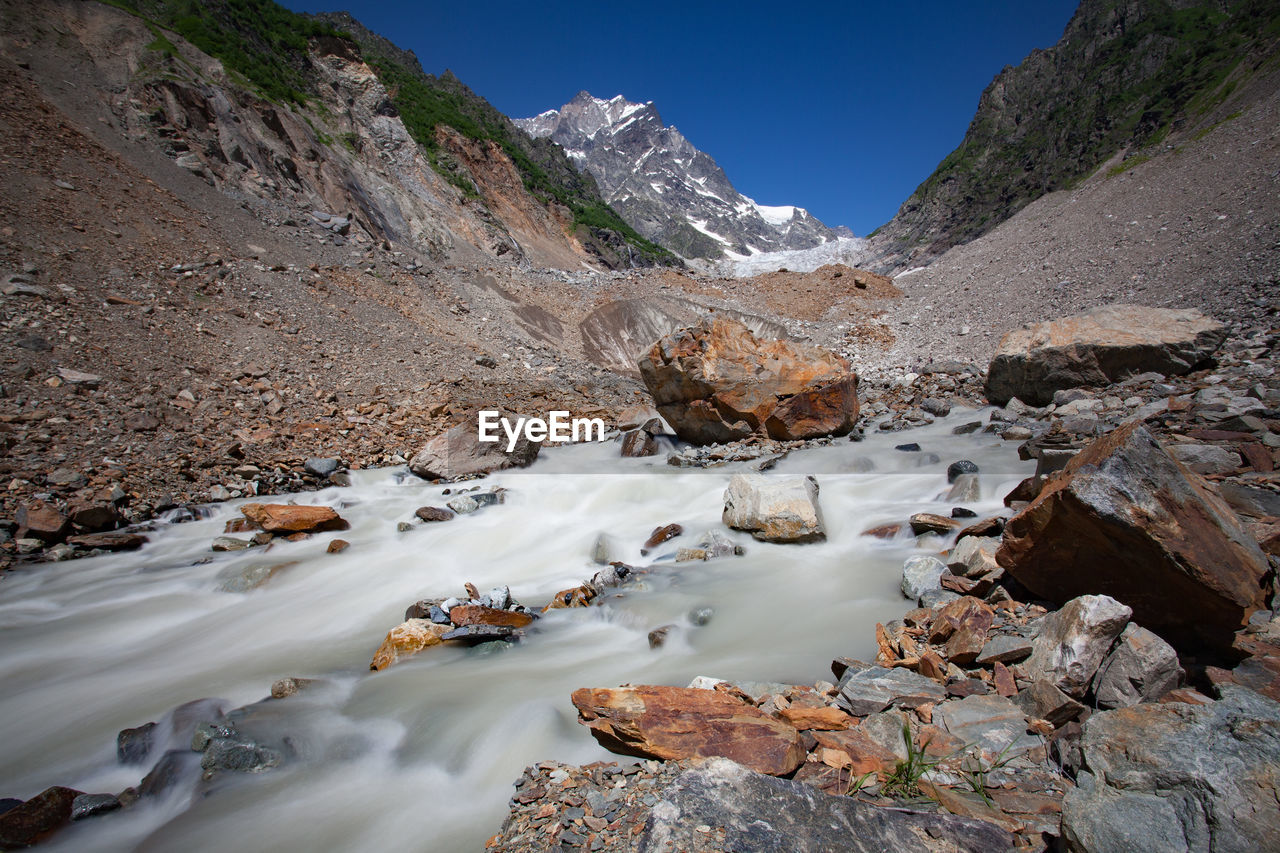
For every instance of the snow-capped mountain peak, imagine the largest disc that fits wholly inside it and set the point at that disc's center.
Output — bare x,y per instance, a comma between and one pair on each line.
666,188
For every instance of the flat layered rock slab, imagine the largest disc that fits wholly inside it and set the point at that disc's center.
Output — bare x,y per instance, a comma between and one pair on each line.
1105,345
871,690
724,806
289,518
990,721
683,722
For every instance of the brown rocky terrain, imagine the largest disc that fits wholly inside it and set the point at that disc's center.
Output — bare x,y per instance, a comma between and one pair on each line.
223,324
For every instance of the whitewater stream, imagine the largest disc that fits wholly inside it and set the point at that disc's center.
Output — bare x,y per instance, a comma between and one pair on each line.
422,756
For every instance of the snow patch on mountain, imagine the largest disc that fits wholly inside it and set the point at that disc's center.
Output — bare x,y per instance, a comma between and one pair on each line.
850,251
667,189
780,215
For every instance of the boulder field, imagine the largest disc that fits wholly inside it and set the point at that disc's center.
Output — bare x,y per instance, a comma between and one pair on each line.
1096,669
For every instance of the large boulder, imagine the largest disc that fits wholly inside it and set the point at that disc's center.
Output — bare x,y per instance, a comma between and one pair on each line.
1102,346
686,722
459,452
1126,520
774,510
721,805
1175,776
716,382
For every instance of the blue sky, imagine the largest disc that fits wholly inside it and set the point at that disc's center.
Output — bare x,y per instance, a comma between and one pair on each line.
840,108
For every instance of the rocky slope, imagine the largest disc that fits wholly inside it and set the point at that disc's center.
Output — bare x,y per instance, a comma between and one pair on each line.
1194,225
1126,77
666,188
269,104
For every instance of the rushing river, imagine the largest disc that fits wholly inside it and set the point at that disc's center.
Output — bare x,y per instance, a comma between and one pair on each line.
422,756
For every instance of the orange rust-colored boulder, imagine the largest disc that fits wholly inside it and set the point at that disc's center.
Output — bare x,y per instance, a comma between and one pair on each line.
474,614
716,382
407,639
684,722
1125,519
287,518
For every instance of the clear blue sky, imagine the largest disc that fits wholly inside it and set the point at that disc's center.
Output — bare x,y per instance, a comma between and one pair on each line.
840,108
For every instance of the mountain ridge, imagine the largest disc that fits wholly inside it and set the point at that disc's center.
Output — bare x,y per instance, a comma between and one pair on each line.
1124,77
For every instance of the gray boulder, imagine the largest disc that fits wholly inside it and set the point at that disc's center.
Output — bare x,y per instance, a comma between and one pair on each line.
921,574
747,811
774,509
871,690
1179,777
974,556
1205,458
1074,640
459,453
990,722
1105,345
1142,668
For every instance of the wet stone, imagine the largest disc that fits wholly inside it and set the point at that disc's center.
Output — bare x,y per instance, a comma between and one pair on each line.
471,635
433,513
89,805
134,745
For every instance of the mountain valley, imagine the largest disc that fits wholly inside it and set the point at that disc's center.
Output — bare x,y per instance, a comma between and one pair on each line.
964,534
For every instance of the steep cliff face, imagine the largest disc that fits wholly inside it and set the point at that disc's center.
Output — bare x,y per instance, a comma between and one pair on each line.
293,116
667,189
1125,75
426,102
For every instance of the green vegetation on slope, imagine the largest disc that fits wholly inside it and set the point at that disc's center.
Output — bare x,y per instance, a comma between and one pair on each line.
267,45
1124,76
258,39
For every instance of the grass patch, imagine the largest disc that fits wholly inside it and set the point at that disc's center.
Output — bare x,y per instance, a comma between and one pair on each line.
1128,163
258,39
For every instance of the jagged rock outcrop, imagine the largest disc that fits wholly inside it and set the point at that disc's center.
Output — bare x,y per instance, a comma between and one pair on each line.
666,188
717,382
1125,520
1108,344
1179,777
321,128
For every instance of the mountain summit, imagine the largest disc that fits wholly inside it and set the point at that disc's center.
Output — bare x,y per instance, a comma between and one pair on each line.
667,189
